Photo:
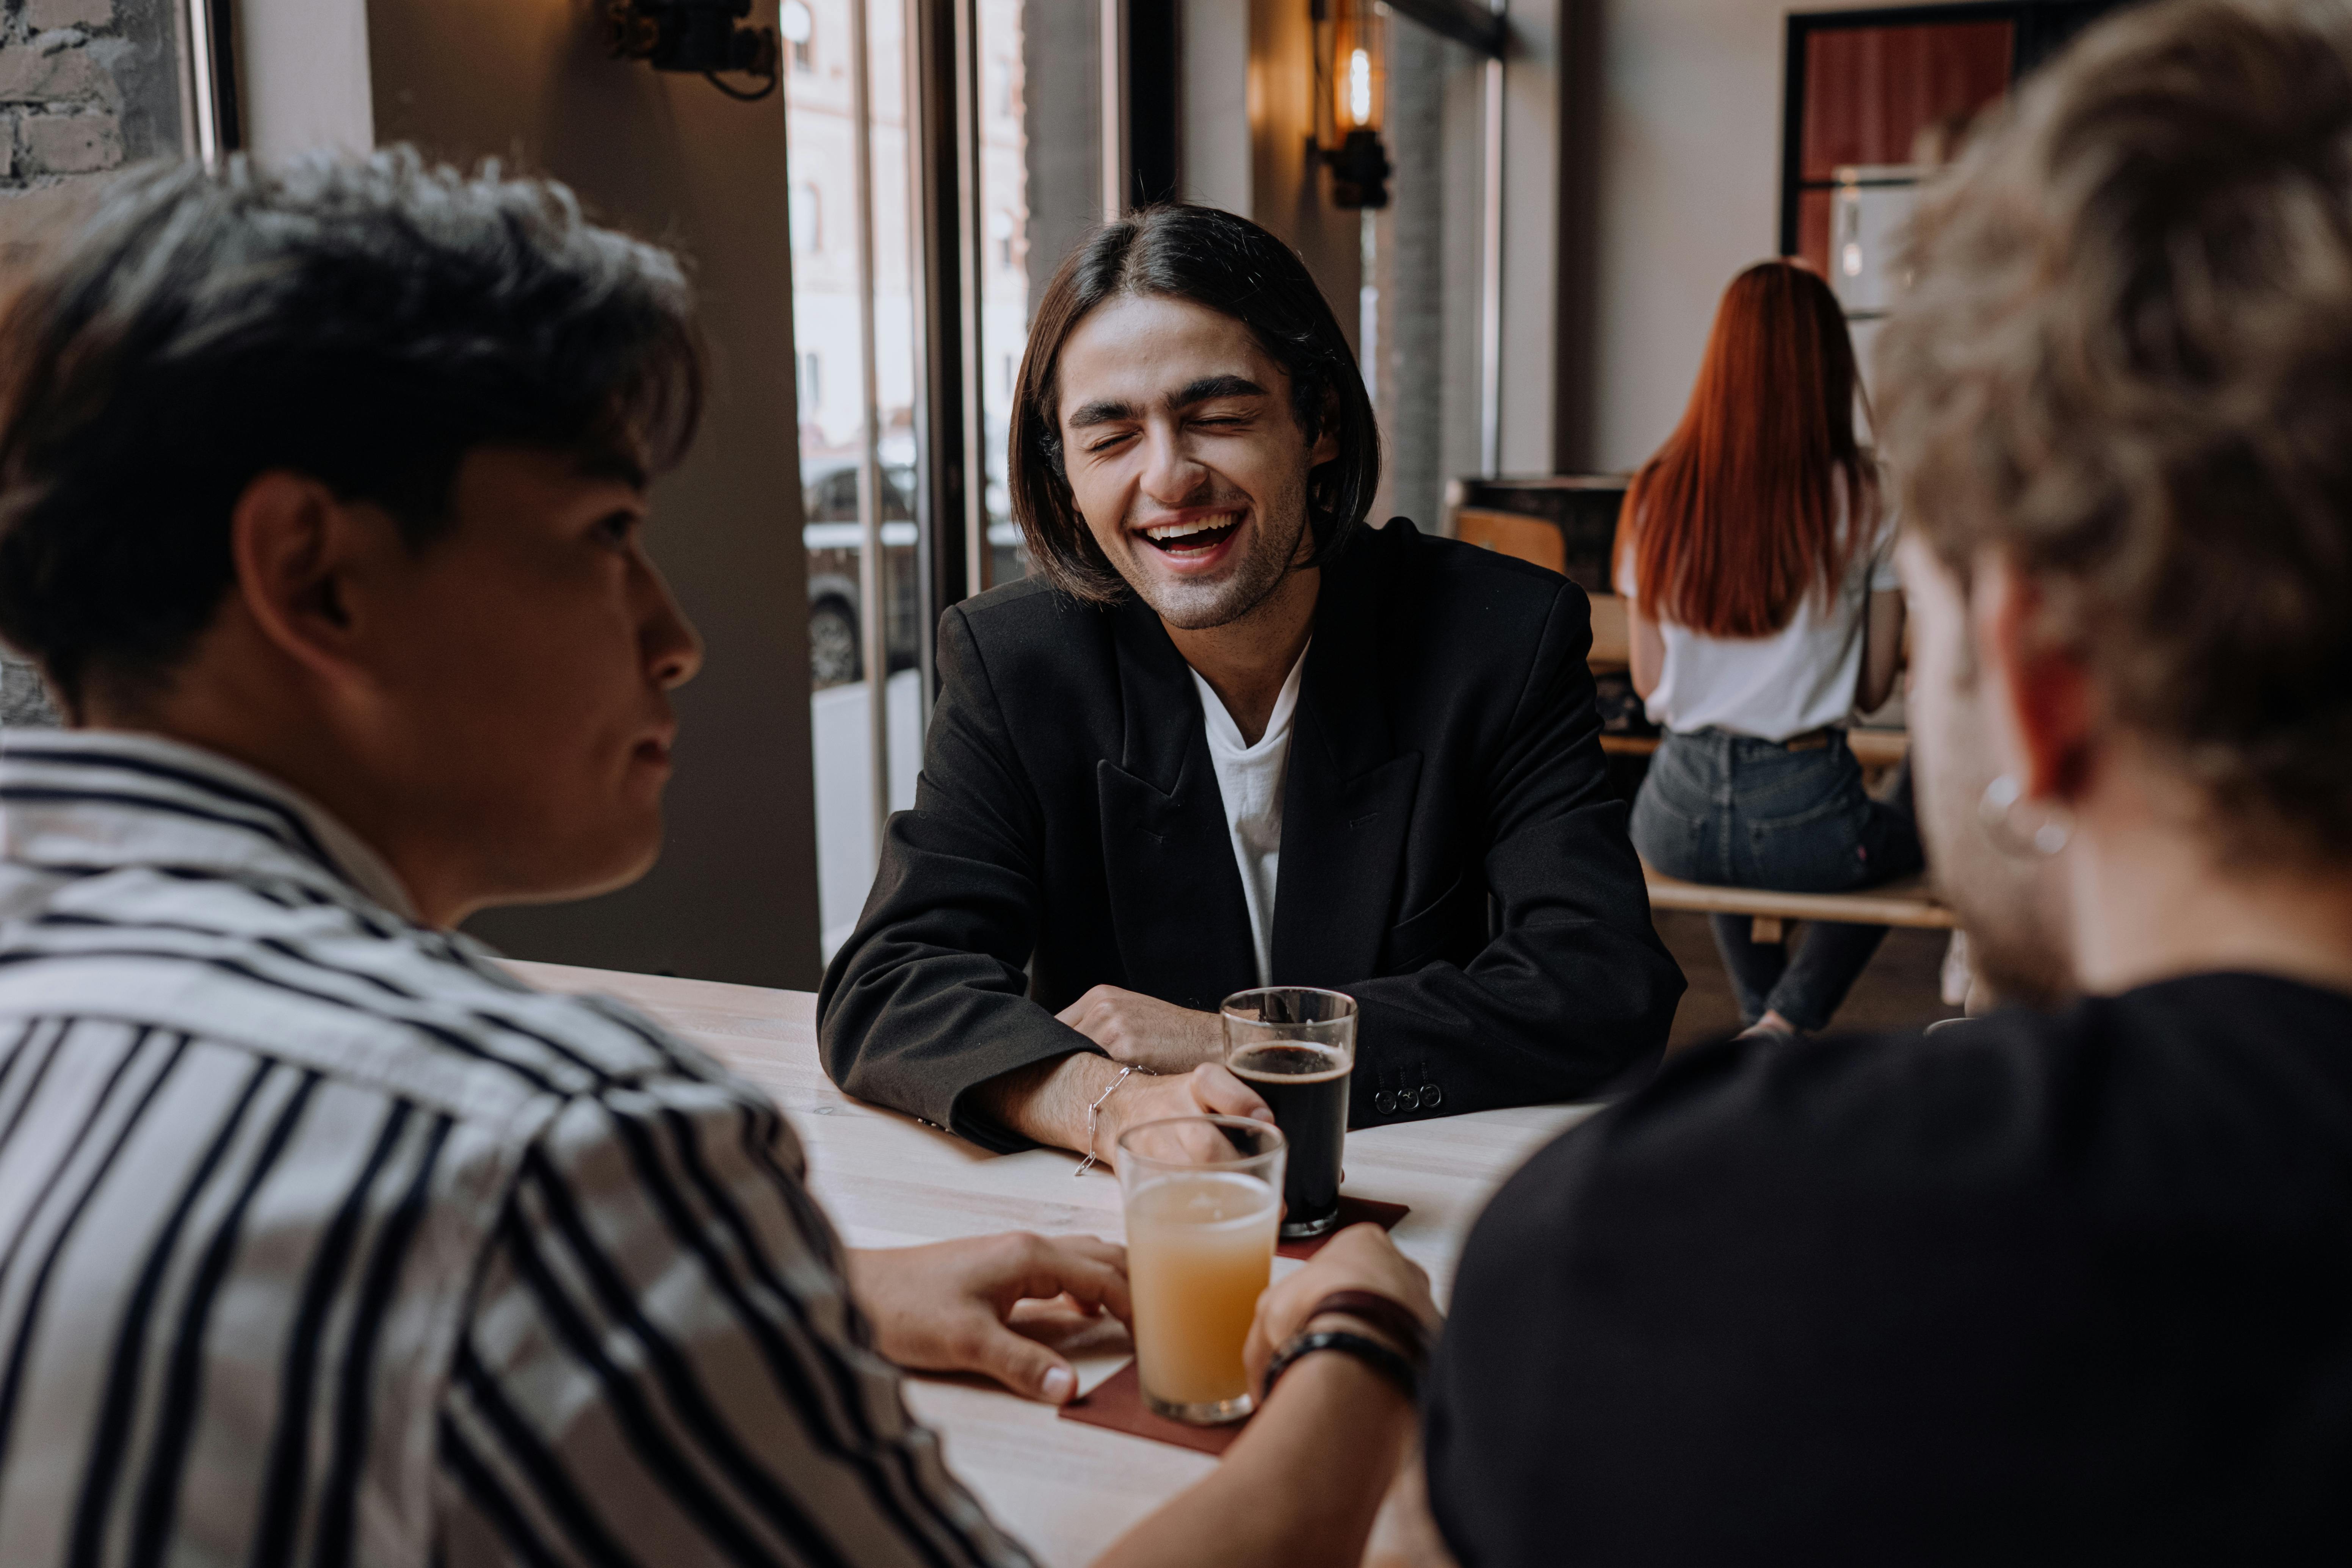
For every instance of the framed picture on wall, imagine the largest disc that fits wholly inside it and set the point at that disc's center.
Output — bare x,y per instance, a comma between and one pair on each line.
1877,99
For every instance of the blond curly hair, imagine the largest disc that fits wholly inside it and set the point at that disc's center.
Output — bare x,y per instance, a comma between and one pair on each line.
2125,357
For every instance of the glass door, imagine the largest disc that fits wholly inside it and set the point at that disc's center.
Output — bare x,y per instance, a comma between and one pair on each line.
931,198
853,331
1009,250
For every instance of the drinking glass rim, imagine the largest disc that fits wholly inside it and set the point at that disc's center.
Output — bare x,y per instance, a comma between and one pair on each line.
1225,1007
1215,1119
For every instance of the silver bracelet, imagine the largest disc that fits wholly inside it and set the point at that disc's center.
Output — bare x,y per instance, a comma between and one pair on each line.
1094,1112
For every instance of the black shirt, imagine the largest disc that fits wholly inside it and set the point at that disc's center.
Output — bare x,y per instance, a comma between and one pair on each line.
2030,1287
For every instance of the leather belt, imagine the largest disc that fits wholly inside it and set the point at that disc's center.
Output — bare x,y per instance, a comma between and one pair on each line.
1811,740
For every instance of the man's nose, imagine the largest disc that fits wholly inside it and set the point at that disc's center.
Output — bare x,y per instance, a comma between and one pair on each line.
1170,474
673,649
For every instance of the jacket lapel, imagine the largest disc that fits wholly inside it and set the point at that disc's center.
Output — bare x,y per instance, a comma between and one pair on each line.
1348,798
1182,924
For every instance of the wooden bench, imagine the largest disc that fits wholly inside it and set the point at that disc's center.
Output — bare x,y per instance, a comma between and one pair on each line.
1905,901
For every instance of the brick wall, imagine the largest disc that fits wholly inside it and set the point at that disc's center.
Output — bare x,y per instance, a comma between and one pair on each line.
86,86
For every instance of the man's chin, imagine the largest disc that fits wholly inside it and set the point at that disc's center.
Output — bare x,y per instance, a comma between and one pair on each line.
606,866
2019,944
2022,974
1194,604
1188,617
2019,952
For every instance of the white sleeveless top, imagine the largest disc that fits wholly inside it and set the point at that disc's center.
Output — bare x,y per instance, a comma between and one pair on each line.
1802,677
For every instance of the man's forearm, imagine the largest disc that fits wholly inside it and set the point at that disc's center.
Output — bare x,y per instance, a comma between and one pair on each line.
1047,1101
1300,1488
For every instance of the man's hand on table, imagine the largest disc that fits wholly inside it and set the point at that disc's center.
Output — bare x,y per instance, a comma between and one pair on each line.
945,1307
1207,1090
1047,1101
1144,1032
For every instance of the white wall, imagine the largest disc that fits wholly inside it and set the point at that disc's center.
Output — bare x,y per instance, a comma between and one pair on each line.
303,73
735,895
1689,194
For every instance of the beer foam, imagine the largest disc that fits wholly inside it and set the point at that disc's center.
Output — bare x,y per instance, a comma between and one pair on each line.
1203,1201
1241,1066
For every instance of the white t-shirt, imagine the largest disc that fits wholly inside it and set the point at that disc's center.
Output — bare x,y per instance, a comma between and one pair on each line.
1800,678
1250,780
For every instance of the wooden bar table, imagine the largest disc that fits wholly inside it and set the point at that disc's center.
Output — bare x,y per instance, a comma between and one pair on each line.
1064,1488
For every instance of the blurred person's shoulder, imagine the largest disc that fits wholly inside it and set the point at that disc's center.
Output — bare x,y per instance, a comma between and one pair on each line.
2071,1267
2046,1109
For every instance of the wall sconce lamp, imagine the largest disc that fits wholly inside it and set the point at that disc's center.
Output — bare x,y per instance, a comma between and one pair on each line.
696,36
1352,89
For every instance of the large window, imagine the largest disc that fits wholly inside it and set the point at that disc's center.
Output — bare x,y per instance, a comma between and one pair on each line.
1002,265
930,198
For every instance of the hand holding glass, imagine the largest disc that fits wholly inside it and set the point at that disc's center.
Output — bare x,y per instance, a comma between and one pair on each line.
1203,1195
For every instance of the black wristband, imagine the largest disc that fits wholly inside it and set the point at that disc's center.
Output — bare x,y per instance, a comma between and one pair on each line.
1390,1318
1369,1351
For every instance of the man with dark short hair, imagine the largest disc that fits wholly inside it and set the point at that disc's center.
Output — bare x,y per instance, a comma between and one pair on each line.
323,1238
1227,737
2064,1286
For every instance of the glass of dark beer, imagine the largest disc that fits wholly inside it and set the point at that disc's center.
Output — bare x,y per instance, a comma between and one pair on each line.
1296,1047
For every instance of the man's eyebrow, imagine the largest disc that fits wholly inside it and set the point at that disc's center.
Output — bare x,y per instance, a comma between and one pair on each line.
1106,411
1209,387
1110,411
603,463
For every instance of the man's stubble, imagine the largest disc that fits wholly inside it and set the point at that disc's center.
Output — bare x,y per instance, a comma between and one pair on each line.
1273,551
2010,904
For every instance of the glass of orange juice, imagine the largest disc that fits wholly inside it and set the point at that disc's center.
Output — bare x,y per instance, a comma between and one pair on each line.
1203,1199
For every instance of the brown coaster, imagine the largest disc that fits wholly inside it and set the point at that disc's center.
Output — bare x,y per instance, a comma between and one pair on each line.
1118,1402
1352,1211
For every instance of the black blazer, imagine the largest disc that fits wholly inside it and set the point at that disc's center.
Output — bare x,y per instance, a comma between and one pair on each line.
1452,855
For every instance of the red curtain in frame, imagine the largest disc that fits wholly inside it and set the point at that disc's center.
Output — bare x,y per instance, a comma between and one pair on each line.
1870,90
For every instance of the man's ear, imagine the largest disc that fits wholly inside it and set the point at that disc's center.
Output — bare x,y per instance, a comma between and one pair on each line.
296,547
2037,694
1327,431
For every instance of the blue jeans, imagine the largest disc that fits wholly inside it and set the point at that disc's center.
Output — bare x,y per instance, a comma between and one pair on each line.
1743,813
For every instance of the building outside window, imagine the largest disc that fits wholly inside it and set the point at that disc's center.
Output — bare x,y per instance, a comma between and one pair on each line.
799,27
820,109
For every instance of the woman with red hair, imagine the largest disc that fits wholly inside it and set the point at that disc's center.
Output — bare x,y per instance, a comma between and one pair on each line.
1755,555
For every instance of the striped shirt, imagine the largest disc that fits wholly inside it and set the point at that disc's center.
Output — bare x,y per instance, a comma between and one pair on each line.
323,1240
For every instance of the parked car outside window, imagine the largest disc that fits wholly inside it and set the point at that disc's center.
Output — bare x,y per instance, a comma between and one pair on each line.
833,537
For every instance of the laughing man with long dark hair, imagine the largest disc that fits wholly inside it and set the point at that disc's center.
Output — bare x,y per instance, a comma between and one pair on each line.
1228,736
